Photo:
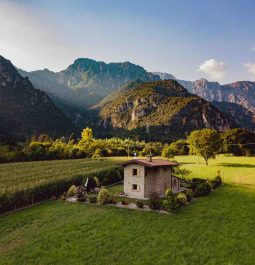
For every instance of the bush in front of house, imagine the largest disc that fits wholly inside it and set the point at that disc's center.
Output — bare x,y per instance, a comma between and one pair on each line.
112,199
103,196
81,194
216,182
182,199
170,203
71,191
139,204
93,199
202,189
189,195
154,201
124,202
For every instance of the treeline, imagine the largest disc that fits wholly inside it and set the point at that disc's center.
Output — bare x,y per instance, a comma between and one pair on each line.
206,143
44,147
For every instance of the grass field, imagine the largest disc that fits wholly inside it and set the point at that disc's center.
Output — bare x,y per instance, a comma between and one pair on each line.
25,183
236,170
216,229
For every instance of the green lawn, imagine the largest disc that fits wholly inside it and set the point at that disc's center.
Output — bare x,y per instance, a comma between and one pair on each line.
216,229
237,170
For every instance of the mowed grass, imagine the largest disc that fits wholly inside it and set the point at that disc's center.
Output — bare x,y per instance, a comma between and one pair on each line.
235,170
217,229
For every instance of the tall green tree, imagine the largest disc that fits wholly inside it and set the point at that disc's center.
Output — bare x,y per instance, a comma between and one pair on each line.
206,143
239,142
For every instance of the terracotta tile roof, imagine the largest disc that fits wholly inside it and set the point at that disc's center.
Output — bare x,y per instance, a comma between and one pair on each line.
153,163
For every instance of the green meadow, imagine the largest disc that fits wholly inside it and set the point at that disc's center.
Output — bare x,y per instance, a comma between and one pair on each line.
216,229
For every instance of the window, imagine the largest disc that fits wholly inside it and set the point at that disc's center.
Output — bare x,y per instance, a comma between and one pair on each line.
134,187
175,182
135,171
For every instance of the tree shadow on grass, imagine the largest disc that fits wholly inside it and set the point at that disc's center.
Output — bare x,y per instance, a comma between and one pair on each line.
237,165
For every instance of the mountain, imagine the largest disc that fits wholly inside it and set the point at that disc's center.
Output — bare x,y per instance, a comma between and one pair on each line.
164,76
25,110
243,117
159,110
241,92
85,82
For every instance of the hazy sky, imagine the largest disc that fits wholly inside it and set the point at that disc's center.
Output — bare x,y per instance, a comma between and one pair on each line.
187,38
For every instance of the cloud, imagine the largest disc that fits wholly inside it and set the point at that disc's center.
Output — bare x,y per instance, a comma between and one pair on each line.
252,47
250,67
213,68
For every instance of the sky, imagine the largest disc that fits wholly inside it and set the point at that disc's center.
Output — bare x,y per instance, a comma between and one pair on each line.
190,39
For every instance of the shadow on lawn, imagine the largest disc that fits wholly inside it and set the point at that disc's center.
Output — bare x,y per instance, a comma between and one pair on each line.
237,165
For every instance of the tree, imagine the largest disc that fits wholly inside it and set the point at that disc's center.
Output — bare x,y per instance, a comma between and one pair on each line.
179,147
206,143
239,142
87,135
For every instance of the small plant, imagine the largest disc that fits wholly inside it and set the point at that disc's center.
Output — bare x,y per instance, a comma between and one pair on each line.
181,199
202,189
72,191
170,203
216,182
93,199
154,201
139,204
81,194
189,195
63,196
112,199
124,202
103,196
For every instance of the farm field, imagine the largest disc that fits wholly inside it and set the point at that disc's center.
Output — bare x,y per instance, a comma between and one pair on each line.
24,181
216,229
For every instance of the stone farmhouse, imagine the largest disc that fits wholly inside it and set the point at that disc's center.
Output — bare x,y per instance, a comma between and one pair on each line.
144,176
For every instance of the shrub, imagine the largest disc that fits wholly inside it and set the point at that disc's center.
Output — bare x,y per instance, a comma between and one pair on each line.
81,194
72,191
181,199
124,202
202,189
216,182
139,204
170,203
93,199
189,195
103,196
63,196
154,201
112,199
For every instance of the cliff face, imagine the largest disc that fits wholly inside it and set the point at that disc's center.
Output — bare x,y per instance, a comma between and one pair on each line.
25,110
162,110
85,82
242,92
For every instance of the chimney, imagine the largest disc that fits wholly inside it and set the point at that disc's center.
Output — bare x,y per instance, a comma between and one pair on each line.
149,158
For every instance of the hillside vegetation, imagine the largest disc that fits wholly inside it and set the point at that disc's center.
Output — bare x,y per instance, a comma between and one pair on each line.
160,110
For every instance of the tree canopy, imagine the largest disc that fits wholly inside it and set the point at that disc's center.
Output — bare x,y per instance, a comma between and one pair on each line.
206,143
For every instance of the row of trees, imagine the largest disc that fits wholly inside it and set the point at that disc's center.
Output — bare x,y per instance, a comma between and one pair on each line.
206,143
